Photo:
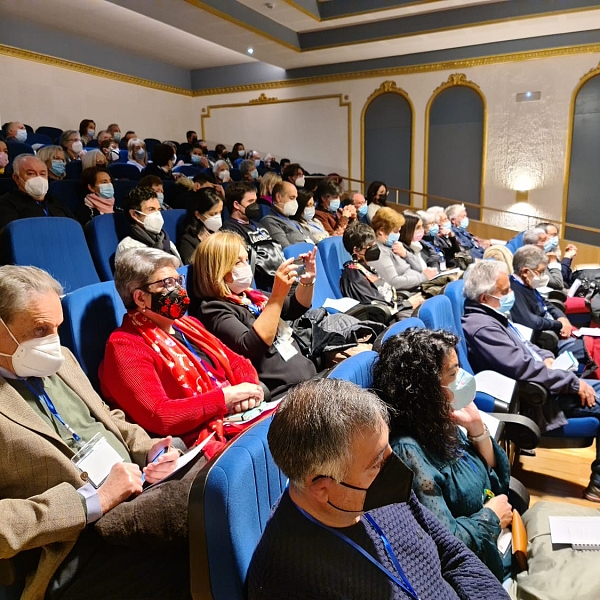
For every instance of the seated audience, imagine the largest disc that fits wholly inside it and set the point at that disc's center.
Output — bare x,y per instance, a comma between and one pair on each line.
501,253
203,217
142,210
16,132
249,171
377,195
267,182
3,159
294,173
164,159
52,513
110,149
457,214
283,163
305,215
155,183
221,171
360,204
87,131
493,343
411,234
462,478
129,135
445,240
191,139
54,158
553,251
136,153
265,253
280,221
31,199
71,144
99,194
163,369
238,151
360,281
331,438
248,321
196,157
327,200
394,264
433,256
538,237
103,136
222,154
93,158
115,132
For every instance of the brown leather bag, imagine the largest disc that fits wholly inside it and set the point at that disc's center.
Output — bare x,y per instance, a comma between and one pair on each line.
519,541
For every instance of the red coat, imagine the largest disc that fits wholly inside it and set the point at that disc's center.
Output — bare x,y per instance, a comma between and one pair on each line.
137,380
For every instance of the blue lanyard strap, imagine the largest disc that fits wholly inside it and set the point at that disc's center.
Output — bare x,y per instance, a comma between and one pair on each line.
284,218
193,351
42,395
539,297
403,582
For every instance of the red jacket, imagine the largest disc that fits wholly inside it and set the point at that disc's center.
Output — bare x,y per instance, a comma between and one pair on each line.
137,380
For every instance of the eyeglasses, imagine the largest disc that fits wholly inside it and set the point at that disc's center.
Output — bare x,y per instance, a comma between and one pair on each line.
169,283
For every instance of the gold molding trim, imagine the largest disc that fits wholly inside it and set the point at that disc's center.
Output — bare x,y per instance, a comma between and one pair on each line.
88,70
458,79
342,99
594,72
389,87
412,70
223,15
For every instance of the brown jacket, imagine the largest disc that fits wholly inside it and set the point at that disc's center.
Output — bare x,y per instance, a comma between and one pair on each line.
335,224
39,503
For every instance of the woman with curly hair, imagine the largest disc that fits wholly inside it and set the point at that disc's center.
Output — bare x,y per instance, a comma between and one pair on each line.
461,477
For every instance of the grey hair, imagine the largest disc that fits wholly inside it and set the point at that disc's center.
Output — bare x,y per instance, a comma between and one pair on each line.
47,152
65,135
435,209
18,284
481,277
528,257
218,165
314,428
246,167
426,217
89,159
531,236
135,268
21,158
452,210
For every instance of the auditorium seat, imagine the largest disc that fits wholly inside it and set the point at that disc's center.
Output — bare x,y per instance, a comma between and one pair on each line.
16,148
187,170
333,255
93,144
173,222
122,188
123,156
151,143
401,326
357,369
73,170
7,184
229,505
53,133
39,138
91,314
124,171
67,191
55,244
104,233
236,174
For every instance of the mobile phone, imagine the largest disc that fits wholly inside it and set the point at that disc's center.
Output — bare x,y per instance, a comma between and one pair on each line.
299,263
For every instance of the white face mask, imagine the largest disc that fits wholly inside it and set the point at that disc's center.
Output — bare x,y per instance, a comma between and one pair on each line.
140,153
77,147
153,223
21,135
37,187
91,133
213,223
309,213
223,175
540,281
300,182
242,278
113,155
290,208
117,136
39,357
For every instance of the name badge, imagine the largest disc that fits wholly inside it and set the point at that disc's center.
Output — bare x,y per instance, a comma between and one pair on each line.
96,459
285,348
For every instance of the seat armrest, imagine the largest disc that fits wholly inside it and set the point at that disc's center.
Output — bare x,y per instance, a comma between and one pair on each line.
547,340
559,295
518,496
519,429
560,305
532,393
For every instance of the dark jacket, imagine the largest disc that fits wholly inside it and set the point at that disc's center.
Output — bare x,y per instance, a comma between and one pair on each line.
188,243
530,310
467,242
19,205
449,246
429,254
153,169
366,288
233,325
283,230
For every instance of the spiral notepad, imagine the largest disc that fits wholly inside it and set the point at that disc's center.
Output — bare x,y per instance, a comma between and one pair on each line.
582,533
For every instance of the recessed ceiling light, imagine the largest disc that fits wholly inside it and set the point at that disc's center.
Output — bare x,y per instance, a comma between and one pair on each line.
250,50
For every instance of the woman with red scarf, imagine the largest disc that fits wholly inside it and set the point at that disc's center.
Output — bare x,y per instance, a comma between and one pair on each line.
248,321
163,369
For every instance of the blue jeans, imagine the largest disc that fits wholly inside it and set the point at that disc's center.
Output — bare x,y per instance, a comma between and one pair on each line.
571,406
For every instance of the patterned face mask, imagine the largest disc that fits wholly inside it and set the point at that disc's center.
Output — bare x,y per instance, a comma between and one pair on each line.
172,304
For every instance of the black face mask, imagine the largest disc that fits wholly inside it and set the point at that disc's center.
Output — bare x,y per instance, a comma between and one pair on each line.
391,486
172,305
372,253
252,211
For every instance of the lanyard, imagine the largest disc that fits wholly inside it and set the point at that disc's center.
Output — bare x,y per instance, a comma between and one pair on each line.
42,395
45,208
403,582
531,351
193,351
284,218
539,299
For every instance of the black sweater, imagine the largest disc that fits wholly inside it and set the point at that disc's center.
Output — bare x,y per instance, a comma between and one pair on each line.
19,205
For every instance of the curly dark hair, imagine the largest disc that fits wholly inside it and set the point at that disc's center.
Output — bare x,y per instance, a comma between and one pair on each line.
407,376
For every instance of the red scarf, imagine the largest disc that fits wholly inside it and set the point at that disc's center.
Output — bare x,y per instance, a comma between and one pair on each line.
256,298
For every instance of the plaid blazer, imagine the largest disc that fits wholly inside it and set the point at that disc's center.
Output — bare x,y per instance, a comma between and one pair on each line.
39,503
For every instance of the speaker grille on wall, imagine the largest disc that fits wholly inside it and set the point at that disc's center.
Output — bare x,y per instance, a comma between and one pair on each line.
529,96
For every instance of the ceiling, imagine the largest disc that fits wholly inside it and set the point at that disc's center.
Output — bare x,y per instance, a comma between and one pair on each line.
292,34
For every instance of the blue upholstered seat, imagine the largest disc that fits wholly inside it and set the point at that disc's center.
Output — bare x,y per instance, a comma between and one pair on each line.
401,326
333,256
515,243
104,233
73,170
228,511
68,192
357,369
52,132
55,244
173,222
120,170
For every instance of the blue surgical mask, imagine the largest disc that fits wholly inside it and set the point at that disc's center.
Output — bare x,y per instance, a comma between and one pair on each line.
334,204
254,173
161,198
257,162
362,211
106,190
463,389
506,302
551,244
241,153
464,223
309,213
58,168
195,158
392,238
434,230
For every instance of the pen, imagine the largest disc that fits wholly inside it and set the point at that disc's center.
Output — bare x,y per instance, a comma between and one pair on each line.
163,451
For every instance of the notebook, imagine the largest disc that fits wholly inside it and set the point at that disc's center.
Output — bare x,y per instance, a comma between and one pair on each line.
582,533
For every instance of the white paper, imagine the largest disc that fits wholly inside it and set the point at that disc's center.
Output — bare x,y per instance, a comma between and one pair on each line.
340,304
565,362
580,531
496,385
526,332
491,422
574,287
504,540
591,331
445,273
